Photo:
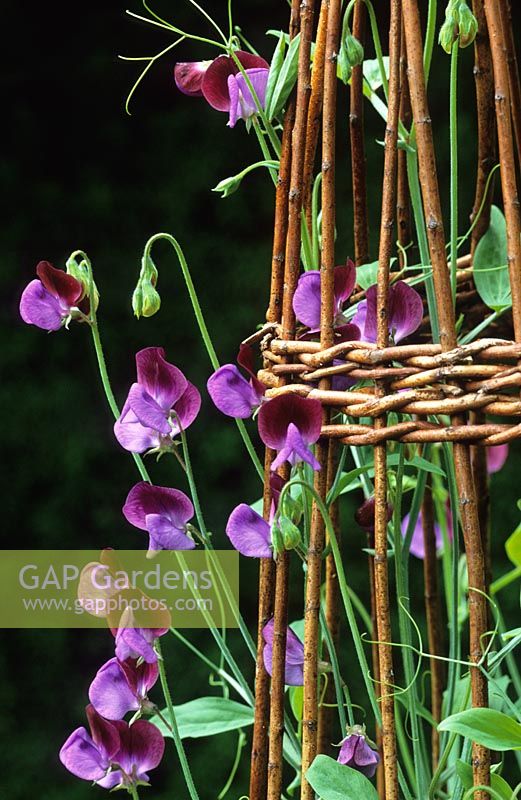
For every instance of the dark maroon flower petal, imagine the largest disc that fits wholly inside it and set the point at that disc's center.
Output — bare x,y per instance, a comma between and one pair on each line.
344,283
189,76
364,515
405,312
162,380
276,415
142,747
215,82
59,284
104,734
246,361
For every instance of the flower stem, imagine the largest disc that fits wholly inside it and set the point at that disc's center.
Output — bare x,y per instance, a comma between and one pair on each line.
132,790
453,125
173,726
212,355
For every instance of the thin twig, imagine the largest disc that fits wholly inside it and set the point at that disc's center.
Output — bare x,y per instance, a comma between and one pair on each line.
356,129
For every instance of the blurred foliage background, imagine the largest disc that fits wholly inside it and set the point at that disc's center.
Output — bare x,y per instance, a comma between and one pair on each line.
78,172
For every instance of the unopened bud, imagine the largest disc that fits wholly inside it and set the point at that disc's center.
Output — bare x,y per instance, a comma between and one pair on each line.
365,515
354,50
277,540
145,299
290,533
460,25
81,270
351,55
468,25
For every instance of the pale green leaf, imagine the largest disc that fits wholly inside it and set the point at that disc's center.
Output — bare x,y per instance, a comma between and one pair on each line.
334,781
207,716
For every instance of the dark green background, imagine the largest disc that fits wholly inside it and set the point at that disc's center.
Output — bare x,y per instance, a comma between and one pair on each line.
77,172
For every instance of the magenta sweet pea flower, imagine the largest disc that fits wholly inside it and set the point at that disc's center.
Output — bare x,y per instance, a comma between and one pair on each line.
160,403
135,642
189,76
356,753
89,756
231,393
306,300
289,424
496,457
163,513
417,546
242,103
249,533
294,669
122,686
405,312
47,301
141,749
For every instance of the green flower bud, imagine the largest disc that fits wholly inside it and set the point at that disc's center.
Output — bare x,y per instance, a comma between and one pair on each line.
146,300
290,533
351,55
277,540
354,50
468,25
449,29
82,271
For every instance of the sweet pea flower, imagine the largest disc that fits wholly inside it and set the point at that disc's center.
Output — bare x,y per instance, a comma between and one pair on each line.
158,405
405,312
231,393
141,749
496,457
189,76
89,756
356,753
417,546
163,513
136,642
122,686
249,533
306,301
294,668
289,424
48,301
223,85
364,515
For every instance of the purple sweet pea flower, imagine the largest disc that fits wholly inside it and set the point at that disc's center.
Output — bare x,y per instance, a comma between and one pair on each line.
157,405
294,669
135,642
141,749
122,686
496,457
417,545
290,423
405,312
231,393
249,533
48,302
189,76
306,300
242,103
89,756
163,513
356,753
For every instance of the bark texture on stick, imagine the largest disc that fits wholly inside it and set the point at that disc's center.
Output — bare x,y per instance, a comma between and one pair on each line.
356,128
513,72
444,302
381,570
403,205
317,531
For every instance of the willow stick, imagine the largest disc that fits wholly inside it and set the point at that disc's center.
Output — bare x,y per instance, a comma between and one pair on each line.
481,482
403,205
317,530
356,130
314,111
380,777
448,340
484,79
291,273
433,616
381,570
493,10
513,72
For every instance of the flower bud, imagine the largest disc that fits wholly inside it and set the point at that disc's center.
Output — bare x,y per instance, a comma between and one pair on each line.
145,299
277,540
354,50
290,533
468,25
82,271
292,508
364,515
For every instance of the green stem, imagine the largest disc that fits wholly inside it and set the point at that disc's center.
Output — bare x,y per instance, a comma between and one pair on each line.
132,790
241,741
212,355
173,726
430,34
453,125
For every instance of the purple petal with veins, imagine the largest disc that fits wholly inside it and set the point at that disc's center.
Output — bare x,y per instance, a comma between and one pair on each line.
294,658
249,533
356,753
417,544
231,393
215,82
405,312
162,380
242,103
148,412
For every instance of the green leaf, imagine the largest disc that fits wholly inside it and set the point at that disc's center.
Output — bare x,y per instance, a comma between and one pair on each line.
421,463
207,716
296,701
485,726
285,80
490,264
498,783
334,781
371,70
275,67
366,274
513,547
